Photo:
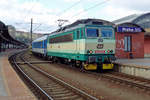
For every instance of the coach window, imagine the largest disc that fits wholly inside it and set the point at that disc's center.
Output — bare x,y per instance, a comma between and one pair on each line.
78,34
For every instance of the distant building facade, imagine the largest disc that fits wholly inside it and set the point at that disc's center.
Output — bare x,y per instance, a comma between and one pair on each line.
143,20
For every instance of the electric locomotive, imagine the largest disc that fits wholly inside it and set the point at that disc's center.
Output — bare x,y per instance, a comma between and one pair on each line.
87,43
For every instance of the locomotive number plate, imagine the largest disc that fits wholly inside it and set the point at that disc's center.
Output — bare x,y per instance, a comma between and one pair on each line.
100,46
100,40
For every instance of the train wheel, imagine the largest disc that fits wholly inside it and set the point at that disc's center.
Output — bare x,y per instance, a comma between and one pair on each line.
82,66
77,63
73,64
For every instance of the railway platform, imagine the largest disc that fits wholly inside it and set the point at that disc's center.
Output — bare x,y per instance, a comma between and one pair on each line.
136,67
11,86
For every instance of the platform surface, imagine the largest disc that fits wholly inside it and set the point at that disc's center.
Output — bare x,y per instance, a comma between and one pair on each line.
11,86
145,62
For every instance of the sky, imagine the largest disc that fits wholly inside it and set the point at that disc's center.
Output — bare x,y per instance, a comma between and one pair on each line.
45,13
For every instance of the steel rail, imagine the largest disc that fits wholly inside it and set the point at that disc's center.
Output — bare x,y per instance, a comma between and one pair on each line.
78,91
120,79
43,93
128,80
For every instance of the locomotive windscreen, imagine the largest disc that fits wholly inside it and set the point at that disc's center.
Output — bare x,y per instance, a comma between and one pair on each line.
107,33
91,32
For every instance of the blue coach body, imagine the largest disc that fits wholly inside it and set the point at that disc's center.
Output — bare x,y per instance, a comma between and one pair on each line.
39,45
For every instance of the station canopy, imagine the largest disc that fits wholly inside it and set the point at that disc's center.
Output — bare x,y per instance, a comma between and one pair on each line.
5,36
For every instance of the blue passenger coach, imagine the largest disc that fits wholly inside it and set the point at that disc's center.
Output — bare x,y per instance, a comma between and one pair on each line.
39,46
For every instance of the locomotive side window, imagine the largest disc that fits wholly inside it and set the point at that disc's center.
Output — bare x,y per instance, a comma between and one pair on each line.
64,38
91,32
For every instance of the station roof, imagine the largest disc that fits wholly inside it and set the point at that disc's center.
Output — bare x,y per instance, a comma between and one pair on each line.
143,20
129,18
140,19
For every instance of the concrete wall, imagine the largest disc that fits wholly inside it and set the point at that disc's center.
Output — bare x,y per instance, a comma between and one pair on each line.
143,72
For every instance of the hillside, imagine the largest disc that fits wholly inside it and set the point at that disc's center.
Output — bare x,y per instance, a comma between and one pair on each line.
22,36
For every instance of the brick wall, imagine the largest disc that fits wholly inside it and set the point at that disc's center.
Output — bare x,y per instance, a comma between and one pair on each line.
137,45
147,45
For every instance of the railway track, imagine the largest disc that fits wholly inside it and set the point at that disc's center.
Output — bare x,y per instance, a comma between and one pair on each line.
129,80
125,79
46,86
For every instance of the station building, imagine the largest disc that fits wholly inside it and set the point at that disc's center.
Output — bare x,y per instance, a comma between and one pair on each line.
129,41
142,20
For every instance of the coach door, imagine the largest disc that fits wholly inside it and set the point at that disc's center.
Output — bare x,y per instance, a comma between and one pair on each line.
78,41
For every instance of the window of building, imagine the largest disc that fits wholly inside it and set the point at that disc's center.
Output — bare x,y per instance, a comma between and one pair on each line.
127,43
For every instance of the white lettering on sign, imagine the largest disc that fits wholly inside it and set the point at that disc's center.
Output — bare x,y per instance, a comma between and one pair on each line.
129,29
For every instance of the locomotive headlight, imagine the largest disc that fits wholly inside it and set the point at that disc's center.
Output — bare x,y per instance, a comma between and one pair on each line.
90,51
108,51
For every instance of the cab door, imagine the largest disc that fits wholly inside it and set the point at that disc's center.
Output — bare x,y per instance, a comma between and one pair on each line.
78,41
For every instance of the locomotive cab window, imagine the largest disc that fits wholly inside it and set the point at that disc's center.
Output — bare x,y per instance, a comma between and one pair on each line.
107,33
92,32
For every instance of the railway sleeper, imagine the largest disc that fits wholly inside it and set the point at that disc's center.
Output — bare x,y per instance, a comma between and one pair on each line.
55,88
71,97
50,85
63,95
61,92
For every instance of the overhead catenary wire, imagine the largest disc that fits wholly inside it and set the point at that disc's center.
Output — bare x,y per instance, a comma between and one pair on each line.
96,5
65,10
